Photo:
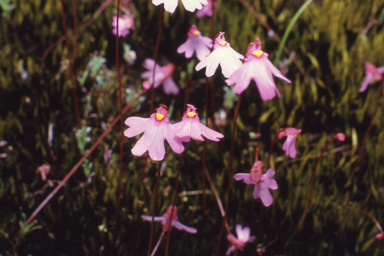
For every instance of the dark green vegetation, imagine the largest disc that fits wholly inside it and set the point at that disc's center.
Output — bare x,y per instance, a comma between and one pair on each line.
83,217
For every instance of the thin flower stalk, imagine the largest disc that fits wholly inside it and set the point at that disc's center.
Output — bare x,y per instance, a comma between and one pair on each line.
154,207
174,201
158,243
368,130
339,137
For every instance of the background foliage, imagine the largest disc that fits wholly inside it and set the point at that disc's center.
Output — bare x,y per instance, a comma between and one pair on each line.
83,218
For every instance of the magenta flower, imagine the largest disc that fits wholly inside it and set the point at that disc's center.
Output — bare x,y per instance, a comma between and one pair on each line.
289,144
190,127
262,182
125,24
163,75
222,54
257,67
371,73
156,129
243,237
196,42
206,10
189,5
166,218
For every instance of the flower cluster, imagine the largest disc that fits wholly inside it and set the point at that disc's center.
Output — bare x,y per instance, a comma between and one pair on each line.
157,128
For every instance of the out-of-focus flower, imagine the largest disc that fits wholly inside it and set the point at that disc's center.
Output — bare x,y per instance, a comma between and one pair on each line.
156,129
189,5
43,170
125,24
371,73
166,218
196,42
340,137
163,75
379,236
243,237
129,54
206,10
190,127
262,182
289,144
222,54
257,67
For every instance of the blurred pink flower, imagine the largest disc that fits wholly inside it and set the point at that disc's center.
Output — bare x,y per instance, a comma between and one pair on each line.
156,129
371,73
289,144
379,236
125,24
166,218
189,5
190,127
222,54
257,67
263,182
163,75
43,170
206,10
196,42
340,137
243,237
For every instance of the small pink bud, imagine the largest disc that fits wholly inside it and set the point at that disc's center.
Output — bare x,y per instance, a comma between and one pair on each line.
340,136
379,236
147,85
260,251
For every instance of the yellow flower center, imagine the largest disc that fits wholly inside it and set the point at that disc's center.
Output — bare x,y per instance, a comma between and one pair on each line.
258,54
191,114
222,43
128,25
196,33
159,117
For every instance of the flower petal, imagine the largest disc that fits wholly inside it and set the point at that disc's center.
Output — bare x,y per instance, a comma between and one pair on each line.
246,177
137,125
242,233
170,87
262,191
149,218
230,250
180,226
368,79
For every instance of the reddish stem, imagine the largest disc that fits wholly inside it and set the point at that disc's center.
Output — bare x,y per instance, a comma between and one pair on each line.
230,166
186,85
369,129
205,147
368,214
120,195
313,184
155,57
78,164
173,202
154,208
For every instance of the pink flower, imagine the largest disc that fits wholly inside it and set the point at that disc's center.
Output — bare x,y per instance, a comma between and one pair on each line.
263,182
43,170
190,127
257,67
156,129
379,236
340,137
189,5
196,42
289,144
125,24
222,54
371,73
243,237
163,75
166,218
206,10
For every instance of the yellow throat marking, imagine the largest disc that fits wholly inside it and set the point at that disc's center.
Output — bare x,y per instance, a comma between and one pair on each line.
196,33
159,117
222,43
191,114
258,54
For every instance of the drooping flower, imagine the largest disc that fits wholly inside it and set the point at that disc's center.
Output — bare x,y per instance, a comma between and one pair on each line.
206,10
43,170
189,5
196,42
262,182
371,73
289,144
125,24
156,129
243,237
222,54
166,218
163,75
257,67
190,127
